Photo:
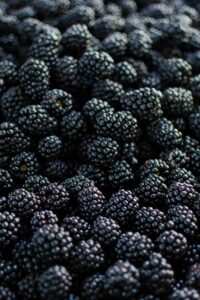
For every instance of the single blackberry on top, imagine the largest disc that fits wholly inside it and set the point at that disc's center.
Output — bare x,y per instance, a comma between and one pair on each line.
91,203
8,72
10,227
116,45
157,274
182,219
125,73
34,78
105,230
108,90
134,247
35,120
185,293
56,170
76,39
92,287
23,202
144,103
94,66
7,294
122,206
87,256
57,102
177,101
122,280
175,158
54,283
50,147
181,193
10,272
139,43
6,181
78,228
150,221
73,125
76,183
120,174
194,123
154,167
35,182
95,106
52,243
27,287
41,218
24,165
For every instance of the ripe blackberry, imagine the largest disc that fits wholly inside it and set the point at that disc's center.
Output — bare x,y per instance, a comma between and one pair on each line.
76,183
52,7
78,228
8,72
54,283
181,193
105,230
92,287
185,293
87,256
154,167
139,43
50,147
56,170
193,85
157,274
23,202
120,125
12,139
76,39
175,72
94,66
130,153
73,125
134,247
41,218
177,102
121,280
10,227
54,196
3,204
35,182
180,124
91,202
34,78
125,73
6,181
24,165
152,189
97,5
194,123
193,276
116,45
52,244
164,134
7,294
10,272
176,158
27,287
122,206
93,107
193,254
144,103
182,219
150,221
35,120
120,174
97,174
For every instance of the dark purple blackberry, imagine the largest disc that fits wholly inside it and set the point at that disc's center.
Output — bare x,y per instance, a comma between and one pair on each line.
154,167
7,294
134,247
122,206
24,165
194,123
181,193
56,170
10,272
182,175
144,103
78,228
34,78
157,274
105,230
54,283
176,158
121,280
116,45
10,227
6,181
57,102
193,277
120,174
73,125
35,120
27,287
92,287
35,182
87,256
23,202
8,72
193,85
150,221
125,73
41,218
77,183
91,203
52,244
95,106
182,219
50,147
185,293
139,43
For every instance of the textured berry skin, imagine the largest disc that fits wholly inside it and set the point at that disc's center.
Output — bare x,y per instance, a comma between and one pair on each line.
93,107
139,43
27,287
9,272
73,125
6,181
56,170
9,228
154,167
54,283
121,280
193,254
76,183
192,278
116,44
92,287
41,218
185,293
176,158
78,228
35,182
7,294
122,206
125,73
194,123
181,193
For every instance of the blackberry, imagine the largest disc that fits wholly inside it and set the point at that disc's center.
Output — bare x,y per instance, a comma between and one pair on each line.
56,170
157,274
150,221
52,243
154,167
182,175
50,147
176,158
24,165
193,85
134,247
116,45
27,287
76,39
122,206
193,254
121,280
23,202
91,202
10,272
93,173
194,123
113,9
95,106
94,66
3,204
192,278
73,125
108,90
8,72
50,8
181,193
177,102
144,103
125,73
182,219
35,182
57,102
78,228
180,124
139,43
185,293
34,78
6,181
152,80
105,230
54,283
130,152
76,183
97,5
41,218
120,174
10,227
87,256
6,293
92,287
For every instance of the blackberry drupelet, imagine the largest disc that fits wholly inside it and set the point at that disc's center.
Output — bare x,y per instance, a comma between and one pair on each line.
73,125
50,147
185,293
78,228
41,218
7,294
77,183
116,45
10,226
95,106
181,193
35,182
120,174
92,287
